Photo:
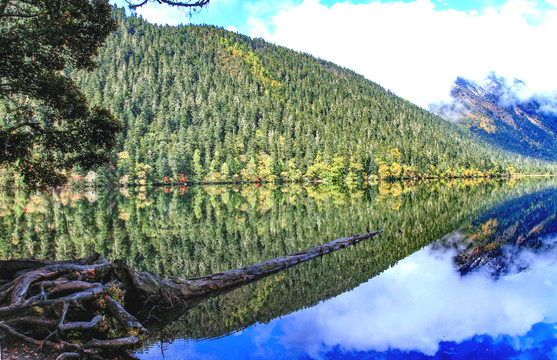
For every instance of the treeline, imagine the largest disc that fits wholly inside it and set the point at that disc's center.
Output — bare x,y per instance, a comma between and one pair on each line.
201,104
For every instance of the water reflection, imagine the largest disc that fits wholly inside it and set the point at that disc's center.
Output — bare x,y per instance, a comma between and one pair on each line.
424,301
420,308
188,232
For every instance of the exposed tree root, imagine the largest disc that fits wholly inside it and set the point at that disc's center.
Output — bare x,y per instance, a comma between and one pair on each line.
92,308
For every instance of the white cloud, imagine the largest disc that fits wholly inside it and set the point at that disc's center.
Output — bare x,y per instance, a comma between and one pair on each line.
424,301
260,12
231,28
418,51
163,15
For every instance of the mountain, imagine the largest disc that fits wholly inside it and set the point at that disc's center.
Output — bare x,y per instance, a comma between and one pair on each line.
497,111
205,104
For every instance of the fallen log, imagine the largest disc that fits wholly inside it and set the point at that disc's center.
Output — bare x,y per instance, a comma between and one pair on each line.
93,308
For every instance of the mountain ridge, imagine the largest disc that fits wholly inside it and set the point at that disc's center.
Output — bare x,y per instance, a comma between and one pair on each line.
498,113
201,103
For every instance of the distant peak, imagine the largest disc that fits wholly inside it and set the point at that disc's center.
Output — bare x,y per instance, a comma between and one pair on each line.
505,112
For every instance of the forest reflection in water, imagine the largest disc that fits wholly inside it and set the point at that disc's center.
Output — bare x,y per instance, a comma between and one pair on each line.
188,232
422,308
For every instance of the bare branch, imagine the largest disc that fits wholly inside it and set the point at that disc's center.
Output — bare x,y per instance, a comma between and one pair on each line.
128,342
68,355
188,4
81,325
127,320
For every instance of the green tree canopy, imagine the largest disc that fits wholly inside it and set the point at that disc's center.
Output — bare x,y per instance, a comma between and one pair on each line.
46,124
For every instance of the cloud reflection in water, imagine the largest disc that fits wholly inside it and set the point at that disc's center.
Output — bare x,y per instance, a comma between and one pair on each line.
420,305
423,301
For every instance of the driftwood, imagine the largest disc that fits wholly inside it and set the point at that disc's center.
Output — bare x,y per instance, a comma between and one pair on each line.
92,308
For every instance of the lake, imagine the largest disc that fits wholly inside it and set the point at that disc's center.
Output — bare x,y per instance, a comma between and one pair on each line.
465,269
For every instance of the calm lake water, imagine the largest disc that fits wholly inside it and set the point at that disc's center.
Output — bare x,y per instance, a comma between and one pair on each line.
464,269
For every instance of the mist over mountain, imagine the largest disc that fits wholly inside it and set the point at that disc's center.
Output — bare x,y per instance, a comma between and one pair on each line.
505,113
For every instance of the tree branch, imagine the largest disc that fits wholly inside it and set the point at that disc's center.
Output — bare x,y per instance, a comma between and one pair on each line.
199,3
36,126
81,325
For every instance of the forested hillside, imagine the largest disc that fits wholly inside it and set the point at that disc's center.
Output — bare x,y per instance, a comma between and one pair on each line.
205,104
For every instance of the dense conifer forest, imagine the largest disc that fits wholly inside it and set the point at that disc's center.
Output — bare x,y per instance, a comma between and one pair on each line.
200,103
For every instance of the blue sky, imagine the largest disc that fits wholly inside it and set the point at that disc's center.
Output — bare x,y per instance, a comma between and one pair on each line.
415,48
